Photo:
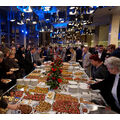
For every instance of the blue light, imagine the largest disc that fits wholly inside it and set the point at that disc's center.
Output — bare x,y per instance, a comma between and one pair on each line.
37,36
60,42
50,34
40,12
26,32
81,32
22,31
60,25
23,8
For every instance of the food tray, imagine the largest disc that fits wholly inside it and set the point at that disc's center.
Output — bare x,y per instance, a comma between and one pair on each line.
50,95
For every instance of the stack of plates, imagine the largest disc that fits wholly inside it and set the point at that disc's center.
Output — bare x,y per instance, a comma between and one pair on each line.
73,89
34,82
26,81
72,82
84,86
20,81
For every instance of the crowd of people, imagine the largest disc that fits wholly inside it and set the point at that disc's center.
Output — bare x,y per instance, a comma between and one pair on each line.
98,62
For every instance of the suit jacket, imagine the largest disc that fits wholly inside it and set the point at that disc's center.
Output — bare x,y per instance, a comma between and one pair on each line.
103,55
29,65
86,63
11,63
105,88
78,54
2,69
86,60
116,53
20,58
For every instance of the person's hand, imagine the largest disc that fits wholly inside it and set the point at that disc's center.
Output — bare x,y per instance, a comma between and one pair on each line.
16,60
107,108
23,55
13,106
90,78
35,65
9,73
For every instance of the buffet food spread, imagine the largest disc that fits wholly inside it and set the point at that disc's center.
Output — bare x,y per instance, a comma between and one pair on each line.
73,96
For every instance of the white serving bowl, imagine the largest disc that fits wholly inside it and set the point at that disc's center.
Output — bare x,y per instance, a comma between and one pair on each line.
20,81
73,89
73,82
34,82
26,81
84,86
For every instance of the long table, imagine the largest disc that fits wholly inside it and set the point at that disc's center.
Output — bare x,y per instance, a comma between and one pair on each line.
75,87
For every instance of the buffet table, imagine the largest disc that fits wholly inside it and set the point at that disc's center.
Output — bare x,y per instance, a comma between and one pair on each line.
73,96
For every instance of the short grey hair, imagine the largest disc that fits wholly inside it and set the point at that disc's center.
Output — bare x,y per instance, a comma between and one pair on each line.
1,54
113,62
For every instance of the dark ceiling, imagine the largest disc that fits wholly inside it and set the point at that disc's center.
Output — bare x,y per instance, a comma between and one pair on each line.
59,19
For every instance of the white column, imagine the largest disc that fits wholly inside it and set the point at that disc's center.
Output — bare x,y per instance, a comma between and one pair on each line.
114,30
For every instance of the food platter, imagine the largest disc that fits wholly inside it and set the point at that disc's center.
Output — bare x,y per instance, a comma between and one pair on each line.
65,106
50,95
43,107
25,109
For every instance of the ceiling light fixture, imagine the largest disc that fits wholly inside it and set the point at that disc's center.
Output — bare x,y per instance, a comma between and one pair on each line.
91,11
12,20
34,22
47,8
28,19
28,10
47,19
20,23
72,8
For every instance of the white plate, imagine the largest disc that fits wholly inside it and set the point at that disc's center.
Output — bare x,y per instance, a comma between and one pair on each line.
82,69
92,107
99,79
73,82
84,86
83,106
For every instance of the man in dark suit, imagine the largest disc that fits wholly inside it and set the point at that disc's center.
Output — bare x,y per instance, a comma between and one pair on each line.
101,53
116,53
29,61
78,54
